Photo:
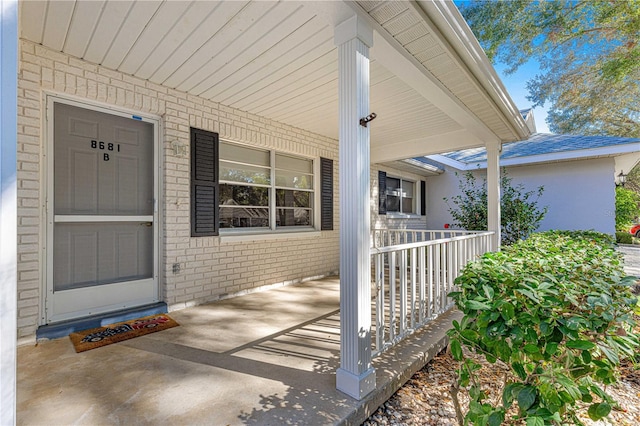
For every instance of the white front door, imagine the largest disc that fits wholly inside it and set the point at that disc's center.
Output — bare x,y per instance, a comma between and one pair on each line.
102,215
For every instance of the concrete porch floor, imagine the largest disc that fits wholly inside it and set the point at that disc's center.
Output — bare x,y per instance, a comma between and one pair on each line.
266,358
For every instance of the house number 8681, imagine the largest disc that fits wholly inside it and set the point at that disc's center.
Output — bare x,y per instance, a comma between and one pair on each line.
105,147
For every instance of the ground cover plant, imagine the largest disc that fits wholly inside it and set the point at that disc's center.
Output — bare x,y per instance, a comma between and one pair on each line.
557,311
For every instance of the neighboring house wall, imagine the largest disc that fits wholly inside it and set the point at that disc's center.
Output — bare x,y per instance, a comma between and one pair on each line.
580,194
210,267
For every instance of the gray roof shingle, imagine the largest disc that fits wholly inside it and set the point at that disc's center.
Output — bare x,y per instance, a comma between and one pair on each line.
542,143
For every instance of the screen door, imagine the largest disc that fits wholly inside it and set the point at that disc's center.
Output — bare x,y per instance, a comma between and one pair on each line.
102,246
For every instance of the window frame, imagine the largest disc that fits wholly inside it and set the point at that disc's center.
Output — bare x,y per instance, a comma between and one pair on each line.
418,201
414,197
272,227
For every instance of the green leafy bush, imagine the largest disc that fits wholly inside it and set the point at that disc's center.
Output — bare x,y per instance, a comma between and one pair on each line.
624,237
627,207
519,211
557,310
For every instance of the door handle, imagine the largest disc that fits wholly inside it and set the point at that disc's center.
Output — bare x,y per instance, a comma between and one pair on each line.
149,224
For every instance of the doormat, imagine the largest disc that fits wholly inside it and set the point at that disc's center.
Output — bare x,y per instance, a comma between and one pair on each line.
101,336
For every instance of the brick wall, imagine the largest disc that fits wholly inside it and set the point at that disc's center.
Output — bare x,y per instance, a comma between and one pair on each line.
209,268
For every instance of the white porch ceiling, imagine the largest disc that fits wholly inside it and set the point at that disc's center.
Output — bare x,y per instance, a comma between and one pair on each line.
278,60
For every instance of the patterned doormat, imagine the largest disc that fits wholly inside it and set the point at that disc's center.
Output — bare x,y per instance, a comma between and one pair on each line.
96,337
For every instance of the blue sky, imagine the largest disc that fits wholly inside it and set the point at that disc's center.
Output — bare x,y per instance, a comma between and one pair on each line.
516,85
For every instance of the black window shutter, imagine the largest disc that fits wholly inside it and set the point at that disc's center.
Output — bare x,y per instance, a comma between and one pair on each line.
204,183
423,197
382,192
326,194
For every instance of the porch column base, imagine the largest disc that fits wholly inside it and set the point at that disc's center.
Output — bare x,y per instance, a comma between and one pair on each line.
356,386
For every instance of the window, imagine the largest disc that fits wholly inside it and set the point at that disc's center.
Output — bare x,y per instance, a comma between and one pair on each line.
237,186
245,180
294,191
397,195
400,195
264,189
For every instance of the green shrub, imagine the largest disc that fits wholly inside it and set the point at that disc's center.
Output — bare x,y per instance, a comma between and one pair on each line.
624,237
627,207
519,211
558,311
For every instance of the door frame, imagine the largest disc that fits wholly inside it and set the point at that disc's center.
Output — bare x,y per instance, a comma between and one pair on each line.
47,303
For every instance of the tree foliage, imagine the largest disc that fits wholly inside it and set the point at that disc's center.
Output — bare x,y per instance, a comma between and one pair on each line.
519,211
633,179
627,208
589,56
557,312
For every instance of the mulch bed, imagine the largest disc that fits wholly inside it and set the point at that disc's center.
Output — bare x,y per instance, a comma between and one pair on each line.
425,398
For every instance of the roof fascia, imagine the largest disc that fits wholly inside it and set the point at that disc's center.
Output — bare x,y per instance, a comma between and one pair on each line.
422,166
455,35
459,165
582,154
424,146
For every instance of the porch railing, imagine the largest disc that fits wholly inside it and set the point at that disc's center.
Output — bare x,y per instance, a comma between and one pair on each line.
392,237
414,274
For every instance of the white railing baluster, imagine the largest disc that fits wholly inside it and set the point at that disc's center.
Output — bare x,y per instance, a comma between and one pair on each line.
431,274
392,296
413,288
422,273
403,292
437,262
445,276
380,304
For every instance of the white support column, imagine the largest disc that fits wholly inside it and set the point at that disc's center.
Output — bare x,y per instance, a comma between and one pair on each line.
8,209
493,192
356,376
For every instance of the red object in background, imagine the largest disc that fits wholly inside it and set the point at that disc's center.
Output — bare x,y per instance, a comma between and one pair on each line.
446,226
635,230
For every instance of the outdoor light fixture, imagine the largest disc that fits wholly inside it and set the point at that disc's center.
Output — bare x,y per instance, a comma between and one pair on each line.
621,178
368,118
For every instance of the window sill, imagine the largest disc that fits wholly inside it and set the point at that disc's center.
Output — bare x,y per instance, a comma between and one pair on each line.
403,216
232,236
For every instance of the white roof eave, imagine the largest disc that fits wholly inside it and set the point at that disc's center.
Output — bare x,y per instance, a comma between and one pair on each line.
453,27
582,154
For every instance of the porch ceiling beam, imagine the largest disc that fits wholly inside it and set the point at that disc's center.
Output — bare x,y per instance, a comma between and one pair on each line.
395,58
425,146
406,67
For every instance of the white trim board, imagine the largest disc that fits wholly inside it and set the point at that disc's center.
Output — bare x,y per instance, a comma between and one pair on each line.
8,208
582,154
